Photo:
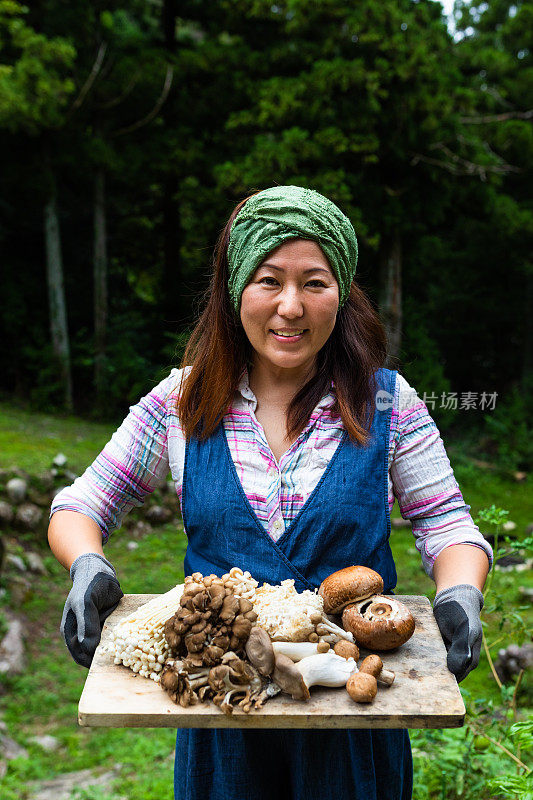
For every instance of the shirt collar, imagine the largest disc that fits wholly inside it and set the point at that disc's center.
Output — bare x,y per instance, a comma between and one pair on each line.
243,387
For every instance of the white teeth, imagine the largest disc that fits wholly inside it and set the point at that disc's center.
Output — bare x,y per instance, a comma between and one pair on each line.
284,333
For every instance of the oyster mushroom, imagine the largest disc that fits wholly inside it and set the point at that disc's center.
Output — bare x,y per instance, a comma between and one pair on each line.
379,623
260,651
322,669
349,585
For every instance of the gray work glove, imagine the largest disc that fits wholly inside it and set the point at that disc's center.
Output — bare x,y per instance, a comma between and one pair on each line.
94,595
457,611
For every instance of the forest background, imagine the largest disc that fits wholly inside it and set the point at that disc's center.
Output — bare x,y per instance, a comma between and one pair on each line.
128,131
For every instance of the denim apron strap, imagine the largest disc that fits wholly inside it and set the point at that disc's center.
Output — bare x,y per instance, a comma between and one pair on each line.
344,521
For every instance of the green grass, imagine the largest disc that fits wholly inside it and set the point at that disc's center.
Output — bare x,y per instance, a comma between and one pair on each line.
44,699
30,441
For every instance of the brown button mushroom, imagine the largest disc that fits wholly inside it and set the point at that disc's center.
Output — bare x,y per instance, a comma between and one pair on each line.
349,585
362,687
346,649
379,623
373,665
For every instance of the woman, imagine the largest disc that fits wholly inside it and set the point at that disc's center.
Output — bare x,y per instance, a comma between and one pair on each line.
287,442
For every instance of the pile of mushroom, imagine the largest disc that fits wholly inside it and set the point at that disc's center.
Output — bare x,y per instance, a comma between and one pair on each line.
291,616
294,667
226,640
138,641
210,621
232,683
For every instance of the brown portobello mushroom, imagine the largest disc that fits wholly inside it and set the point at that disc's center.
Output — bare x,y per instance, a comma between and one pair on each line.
349,585
379,623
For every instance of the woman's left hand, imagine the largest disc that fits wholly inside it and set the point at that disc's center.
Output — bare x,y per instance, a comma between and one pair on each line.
457,612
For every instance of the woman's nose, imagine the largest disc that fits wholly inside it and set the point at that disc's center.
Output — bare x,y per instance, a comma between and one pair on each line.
290,303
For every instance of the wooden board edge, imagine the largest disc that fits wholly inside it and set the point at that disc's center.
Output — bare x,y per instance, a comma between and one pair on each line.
266,722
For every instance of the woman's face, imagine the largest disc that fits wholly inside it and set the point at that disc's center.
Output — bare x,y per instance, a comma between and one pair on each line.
289,308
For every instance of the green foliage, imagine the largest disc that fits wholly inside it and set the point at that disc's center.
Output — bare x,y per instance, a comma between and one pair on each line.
35,84
511,428
488,757
376,105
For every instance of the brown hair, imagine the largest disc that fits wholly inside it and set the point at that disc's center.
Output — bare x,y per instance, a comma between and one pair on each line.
219,350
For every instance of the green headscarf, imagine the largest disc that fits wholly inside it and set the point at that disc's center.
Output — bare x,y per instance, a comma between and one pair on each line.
286,212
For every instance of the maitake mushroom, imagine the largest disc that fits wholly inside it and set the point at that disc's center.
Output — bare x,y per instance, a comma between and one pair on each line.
379,623
181,684
211,621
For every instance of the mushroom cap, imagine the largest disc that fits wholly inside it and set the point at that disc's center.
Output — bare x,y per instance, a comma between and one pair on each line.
349,585
260,651
362,687
289,678
371,664
379,623
346,649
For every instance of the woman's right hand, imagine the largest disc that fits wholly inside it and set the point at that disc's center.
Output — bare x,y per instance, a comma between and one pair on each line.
94,596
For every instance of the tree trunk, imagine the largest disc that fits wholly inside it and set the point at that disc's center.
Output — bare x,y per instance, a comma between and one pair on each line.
172,305
391,296
527,367
100,282
56,292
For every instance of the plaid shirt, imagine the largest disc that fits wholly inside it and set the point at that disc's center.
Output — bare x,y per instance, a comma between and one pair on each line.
150,441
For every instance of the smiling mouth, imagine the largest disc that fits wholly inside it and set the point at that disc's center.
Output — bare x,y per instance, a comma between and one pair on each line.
288,334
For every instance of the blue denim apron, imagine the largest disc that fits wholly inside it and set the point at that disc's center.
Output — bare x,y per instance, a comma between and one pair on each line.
344,521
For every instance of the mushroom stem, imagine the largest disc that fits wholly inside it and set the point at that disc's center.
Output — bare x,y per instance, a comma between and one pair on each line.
298,650
386,676
330,638
326,669
195,681
326,626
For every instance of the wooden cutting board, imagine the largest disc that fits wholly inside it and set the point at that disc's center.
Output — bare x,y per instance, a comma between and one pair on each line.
424,694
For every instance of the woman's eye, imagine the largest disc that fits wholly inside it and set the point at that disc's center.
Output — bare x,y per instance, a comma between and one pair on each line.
316,283
268,281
